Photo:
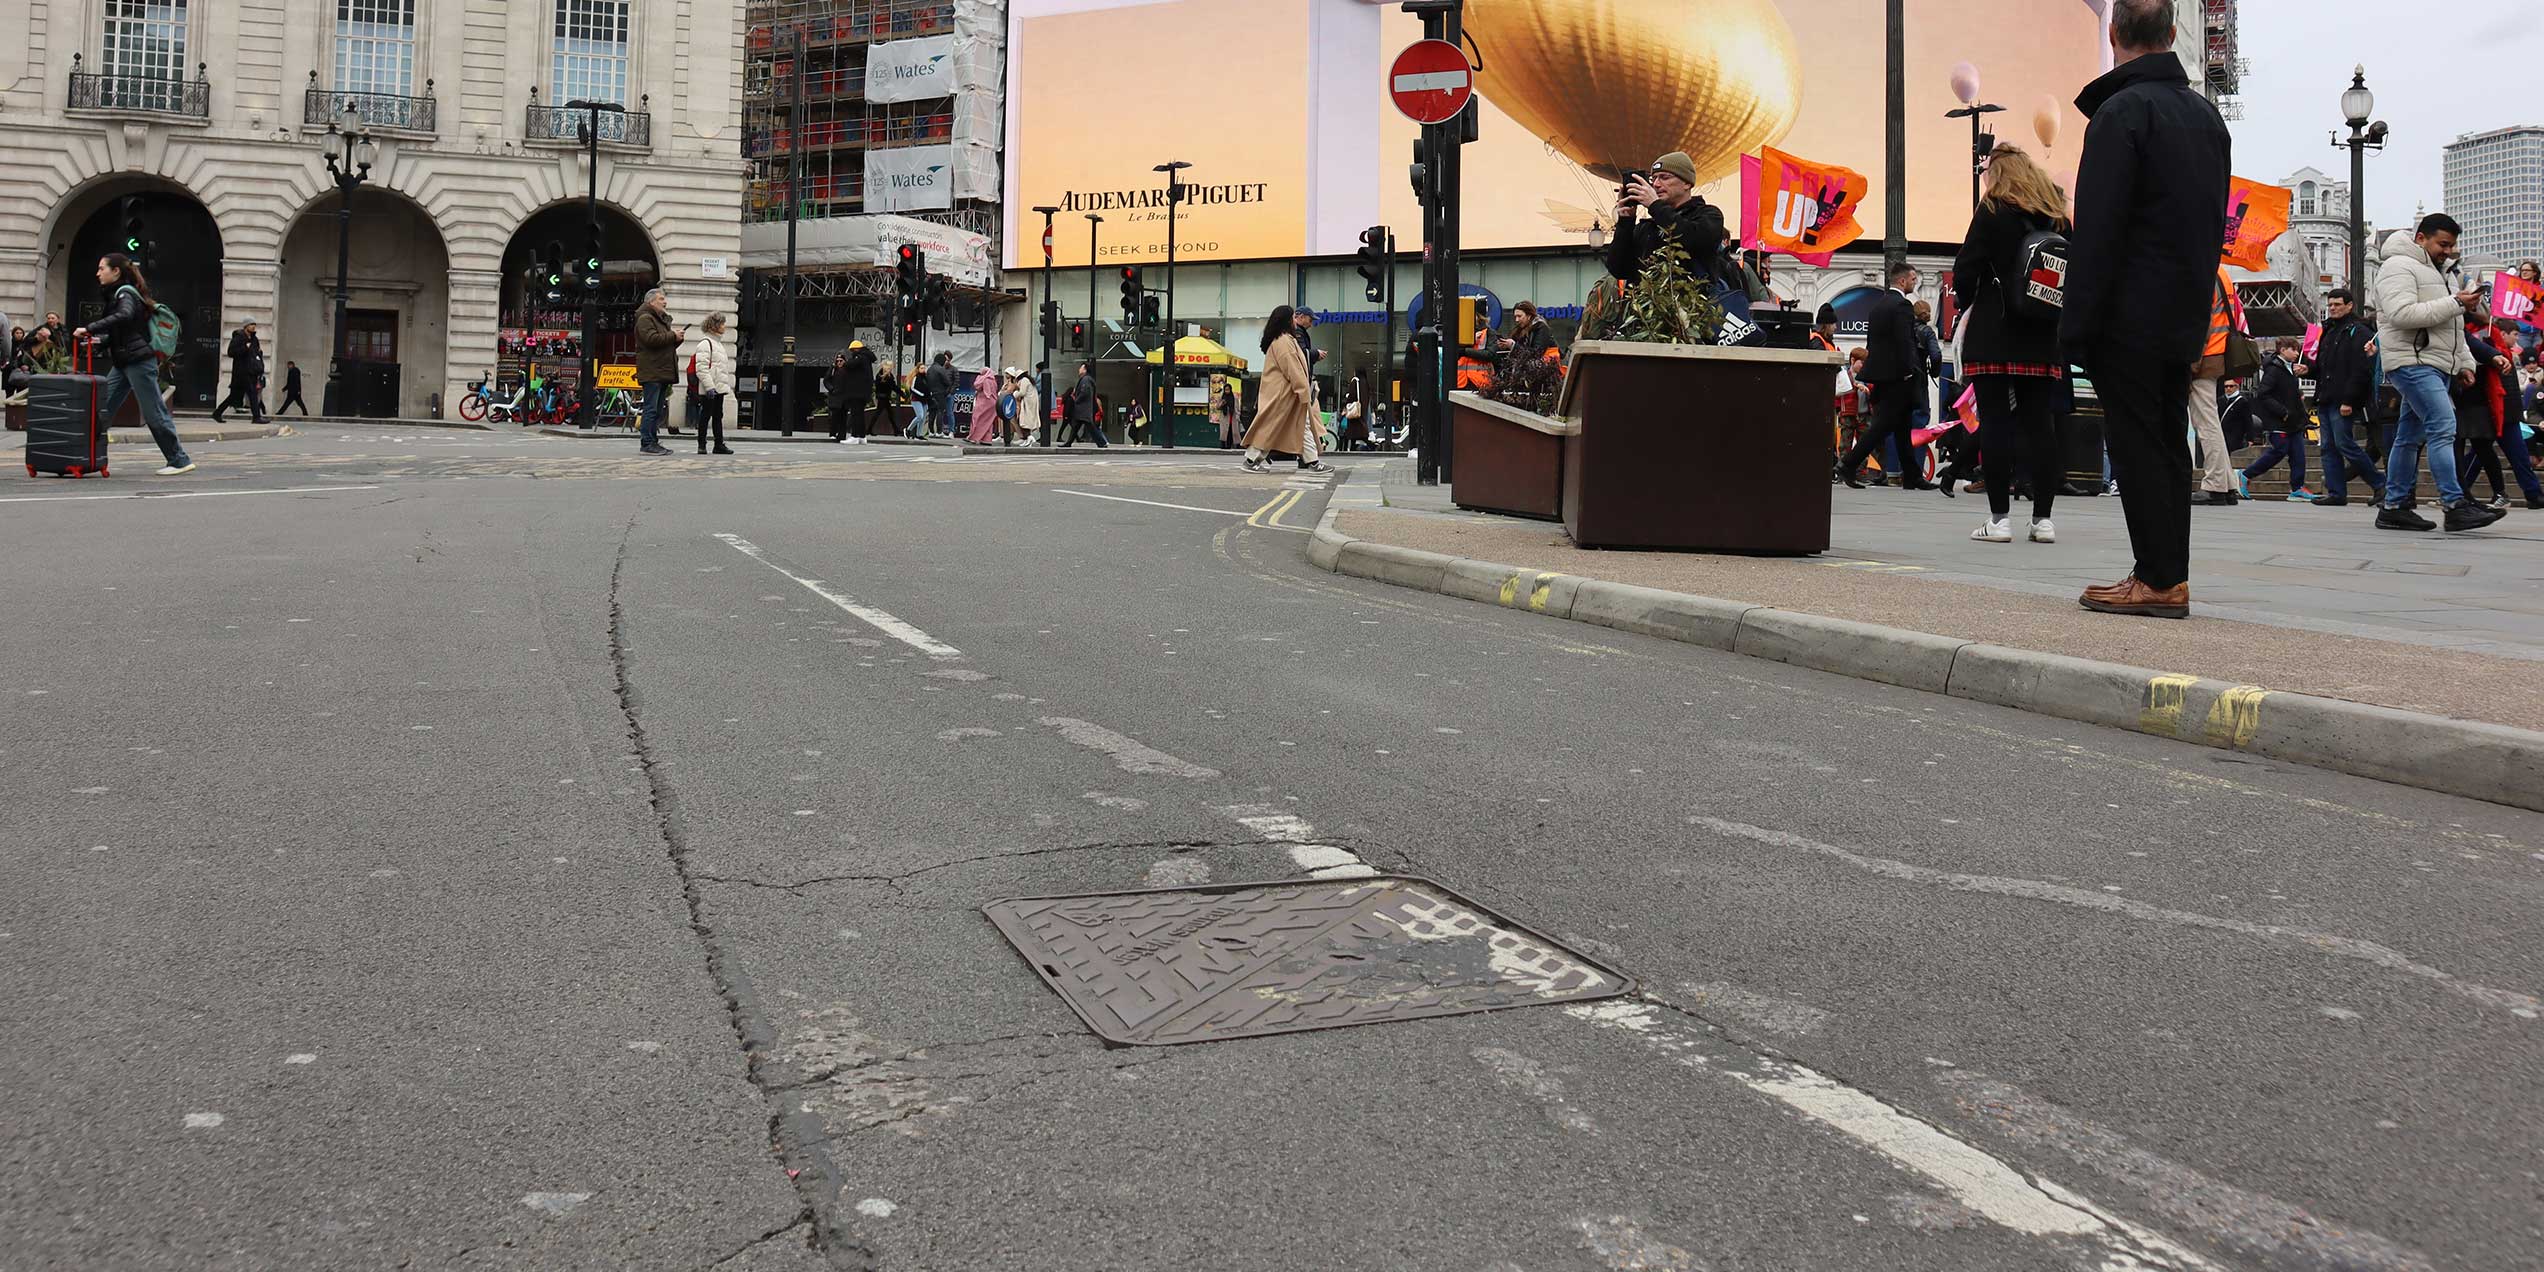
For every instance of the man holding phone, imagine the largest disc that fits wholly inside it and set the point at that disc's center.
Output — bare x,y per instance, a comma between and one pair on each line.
2421,333
1676,213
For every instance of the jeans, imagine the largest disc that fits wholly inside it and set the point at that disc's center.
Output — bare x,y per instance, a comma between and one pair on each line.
2289,445
2342,454
2513,444
141,380
650,420
2429,422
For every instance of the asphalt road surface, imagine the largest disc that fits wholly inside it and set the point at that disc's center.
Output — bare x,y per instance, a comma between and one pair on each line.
451,850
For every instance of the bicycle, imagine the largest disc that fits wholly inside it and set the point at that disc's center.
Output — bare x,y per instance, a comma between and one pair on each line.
480,407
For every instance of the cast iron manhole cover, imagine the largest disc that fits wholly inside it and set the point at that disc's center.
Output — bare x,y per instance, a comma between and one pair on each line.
1241,960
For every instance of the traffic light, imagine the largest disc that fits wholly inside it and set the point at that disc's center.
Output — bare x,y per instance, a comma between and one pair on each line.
552,273
909,267
1050,324
1422,171
1131,290
591,269
1077,335
1148,309
940,303
1377,260
137,243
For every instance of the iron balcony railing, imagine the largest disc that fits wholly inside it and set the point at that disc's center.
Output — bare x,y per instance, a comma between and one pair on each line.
159,95
565,123
320,107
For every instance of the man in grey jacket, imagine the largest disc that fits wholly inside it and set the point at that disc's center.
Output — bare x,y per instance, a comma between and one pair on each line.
2420,334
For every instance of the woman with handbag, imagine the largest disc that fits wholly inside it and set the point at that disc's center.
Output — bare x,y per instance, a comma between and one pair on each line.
2013,364
711,365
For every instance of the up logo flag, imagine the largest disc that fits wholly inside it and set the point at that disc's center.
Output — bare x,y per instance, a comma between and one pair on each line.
2513,299
2256,215
1803,209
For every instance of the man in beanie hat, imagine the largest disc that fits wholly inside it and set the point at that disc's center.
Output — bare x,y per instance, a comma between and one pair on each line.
1677,214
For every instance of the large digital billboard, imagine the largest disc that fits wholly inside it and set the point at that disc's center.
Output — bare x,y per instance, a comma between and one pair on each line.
1281,108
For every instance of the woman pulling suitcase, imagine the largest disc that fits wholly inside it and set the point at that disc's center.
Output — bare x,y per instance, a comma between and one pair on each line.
125,332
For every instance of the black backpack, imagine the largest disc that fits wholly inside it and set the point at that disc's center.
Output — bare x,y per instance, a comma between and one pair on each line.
2039,290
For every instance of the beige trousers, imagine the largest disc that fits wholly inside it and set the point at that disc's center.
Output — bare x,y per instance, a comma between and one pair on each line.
2216,466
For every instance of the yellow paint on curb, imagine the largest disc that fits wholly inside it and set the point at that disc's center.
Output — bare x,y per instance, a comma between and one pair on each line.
2236,716
1540,589
2166,696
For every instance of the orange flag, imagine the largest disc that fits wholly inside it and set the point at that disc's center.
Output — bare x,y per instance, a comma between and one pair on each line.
2256,215
1801,208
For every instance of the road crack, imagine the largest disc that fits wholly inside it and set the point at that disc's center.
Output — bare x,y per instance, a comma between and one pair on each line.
795,1139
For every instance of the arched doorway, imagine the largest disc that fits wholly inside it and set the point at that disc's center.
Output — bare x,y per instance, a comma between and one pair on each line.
172,237
397,310
541,325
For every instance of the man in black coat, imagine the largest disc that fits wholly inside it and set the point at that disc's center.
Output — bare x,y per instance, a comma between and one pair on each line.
1081,415
2344,392
247,374
851,383
1895,366
291,390
2279,407
2150,225
1674,213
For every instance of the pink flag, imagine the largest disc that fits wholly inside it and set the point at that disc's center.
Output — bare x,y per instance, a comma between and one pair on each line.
1753,231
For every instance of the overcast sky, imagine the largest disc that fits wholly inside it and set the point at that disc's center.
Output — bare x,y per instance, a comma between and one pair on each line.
2471,69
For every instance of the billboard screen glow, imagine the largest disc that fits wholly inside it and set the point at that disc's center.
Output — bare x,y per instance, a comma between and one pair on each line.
1281,107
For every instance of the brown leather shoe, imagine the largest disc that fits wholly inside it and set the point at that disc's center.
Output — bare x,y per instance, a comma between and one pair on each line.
2108,590
2138,599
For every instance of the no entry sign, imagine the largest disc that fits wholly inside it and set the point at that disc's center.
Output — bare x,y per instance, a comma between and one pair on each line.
1430,81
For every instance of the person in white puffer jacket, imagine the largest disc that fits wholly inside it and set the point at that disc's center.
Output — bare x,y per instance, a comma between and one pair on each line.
2420,335
715,382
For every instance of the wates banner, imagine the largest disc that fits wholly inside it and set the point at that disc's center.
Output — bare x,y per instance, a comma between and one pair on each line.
2256,215
1803,209
915,179
910,70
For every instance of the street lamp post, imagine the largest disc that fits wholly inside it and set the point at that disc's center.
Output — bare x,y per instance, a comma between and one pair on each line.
794,211
1894,137
1092,221
587,394
1981,144
1050,330
349,152
1161,415
2357,103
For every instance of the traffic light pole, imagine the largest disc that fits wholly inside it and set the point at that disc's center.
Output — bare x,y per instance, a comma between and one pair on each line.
1092,222
1386,343
794,210
1050,332
1161,417
587,400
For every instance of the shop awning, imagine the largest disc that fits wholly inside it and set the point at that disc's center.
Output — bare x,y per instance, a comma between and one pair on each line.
1200,351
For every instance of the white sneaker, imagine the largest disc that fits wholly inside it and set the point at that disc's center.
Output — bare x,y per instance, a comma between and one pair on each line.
2043,531
173,470
1994,532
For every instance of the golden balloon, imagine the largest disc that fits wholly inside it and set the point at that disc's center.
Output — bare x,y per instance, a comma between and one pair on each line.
1614,84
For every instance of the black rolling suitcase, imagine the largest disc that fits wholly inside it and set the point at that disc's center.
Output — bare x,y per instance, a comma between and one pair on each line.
66,436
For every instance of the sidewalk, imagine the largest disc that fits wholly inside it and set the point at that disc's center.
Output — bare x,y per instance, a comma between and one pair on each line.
2289,597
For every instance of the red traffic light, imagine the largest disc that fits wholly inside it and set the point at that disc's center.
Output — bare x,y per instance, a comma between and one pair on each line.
909,253
1130,273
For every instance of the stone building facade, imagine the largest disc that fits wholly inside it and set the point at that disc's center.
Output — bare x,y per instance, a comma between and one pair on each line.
200,127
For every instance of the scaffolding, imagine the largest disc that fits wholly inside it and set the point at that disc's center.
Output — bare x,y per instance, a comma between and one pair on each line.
839,127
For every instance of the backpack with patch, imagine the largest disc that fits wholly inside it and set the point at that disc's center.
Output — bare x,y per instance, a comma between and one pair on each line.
2040,292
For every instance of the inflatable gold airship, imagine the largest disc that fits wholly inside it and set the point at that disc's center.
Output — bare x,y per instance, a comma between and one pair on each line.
1614,84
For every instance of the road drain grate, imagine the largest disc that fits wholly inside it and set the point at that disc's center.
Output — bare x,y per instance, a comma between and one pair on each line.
1243,960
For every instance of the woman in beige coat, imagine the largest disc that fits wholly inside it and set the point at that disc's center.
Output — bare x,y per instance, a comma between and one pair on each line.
1285,404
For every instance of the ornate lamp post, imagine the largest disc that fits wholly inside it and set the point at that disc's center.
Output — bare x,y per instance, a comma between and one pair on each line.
2357,103
349,154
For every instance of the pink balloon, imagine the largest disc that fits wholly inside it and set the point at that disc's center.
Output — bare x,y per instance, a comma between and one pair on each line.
2046,121
1965,82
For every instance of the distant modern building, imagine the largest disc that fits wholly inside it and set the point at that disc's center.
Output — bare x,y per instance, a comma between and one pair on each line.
2495,189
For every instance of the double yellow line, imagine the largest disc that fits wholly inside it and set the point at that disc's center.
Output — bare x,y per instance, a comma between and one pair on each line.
1270,513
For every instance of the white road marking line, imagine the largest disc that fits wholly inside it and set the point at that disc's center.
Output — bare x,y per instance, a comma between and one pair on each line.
1320,861
1986,1185
867,614
2521,1005
181,494
1088,494
1127,754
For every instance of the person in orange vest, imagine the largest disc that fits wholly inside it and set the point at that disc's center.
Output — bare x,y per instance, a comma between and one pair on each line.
2217,469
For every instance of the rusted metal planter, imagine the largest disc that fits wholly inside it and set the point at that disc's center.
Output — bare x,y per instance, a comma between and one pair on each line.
1697,448
1505,459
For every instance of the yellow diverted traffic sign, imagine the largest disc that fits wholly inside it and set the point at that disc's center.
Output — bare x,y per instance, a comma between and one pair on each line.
616,375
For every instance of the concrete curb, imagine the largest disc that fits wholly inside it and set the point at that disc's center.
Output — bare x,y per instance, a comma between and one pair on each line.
754,436
2456,757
